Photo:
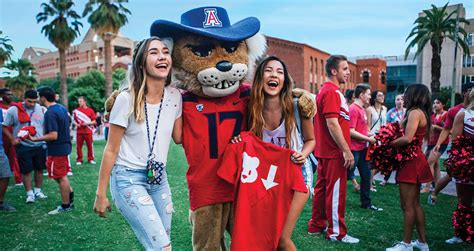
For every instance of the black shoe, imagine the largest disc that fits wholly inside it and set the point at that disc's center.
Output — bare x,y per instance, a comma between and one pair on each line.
373,208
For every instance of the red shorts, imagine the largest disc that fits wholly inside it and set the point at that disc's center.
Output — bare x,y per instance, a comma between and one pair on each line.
57,166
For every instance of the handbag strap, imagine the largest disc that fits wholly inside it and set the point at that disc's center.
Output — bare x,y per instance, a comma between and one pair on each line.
380,116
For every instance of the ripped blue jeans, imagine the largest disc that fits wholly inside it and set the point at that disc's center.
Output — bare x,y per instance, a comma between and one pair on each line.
147,208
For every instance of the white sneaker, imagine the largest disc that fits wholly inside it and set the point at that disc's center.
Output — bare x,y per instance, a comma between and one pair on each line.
60,210
40,195
401,246
92,162
19,184
78,163
347,239
454,240
69,173
420,245
30,198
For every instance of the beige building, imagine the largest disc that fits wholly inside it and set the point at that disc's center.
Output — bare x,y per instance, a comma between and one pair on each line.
468,60
447,58
81,58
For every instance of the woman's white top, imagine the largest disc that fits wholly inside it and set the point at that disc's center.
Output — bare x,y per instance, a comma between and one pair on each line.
375,121
134,147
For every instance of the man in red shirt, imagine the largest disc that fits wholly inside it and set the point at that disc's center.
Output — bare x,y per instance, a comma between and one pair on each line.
84,120
7,96
359,138
448,125
265,180
333,153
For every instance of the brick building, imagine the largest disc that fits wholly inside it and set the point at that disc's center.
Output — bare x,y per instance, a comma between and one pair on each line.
81,58
372,70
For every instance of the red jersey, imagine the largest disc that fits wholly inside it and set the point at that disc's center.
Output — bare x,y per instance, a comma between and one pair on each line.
435,133
358,121
264,180
448,124
331,104
87,112
208,126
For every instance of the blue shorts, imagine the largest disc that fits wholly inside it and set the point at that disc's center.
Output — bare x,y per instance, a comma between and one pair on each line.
5,171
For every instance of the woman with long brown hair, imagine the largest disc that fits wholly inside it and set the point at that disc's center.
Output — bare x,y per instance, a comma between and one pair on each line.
414,172
148,111
272,118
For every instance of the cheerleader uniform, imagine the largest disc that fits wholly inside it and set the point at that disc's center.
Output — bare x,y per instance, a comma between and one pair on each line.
417,170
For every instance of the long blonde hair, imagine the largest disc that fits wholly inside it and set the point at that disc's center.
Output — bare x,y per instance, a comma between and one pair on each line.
137,78
256,120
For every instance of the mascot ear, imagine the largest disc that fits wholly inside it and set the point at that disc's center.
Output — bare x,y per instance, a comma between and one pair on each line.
169,43
257,46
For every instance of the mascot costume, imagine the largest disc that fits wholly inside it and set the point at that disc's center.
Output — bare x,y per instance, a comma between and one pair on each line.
213,61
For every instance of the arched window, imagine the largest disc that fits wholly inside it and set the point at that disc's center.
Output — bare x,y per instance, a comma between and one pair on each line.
365,77
310,71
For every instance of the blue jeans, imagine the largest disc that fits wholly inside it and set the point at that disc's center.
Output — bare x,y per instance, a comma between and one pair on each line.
147,208
364,171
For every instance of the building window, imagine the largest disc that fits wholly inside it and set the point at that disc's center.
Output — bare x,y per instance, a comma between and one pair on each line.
310,71
365,77
470,39
382,77
467,78
468,61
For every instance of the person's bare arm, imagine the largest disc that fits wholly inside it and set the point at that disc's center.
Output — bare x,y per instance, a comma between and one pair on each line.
458,125
412,125
309,141
336,134
53,135
111,151
178,131
360,137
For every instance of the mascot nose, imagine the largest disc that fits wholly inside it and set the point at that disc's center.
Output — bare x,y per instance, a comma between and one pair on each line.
224,66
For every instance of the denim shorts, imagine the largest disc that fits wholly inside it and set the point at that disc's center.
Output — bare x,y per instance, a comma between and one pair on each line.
147,208
5,171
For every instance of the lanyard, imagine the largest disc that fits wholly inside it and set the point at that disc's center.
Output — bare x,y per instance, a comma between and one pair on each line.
152,144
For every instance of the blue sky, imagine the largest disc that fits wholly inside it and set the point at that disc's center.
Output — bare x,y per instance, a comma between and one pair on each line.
353,28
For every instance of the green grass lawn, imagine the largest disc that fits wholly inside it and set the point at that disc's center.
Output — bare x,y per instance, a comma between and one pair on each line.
31,228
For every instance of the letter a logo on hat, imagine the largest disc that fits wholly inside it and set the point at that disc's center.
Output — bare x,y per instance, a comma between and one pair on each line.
211,18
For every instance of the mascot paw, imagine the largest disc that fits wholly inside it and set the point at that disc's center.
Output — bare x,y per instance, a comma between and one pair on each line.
306,103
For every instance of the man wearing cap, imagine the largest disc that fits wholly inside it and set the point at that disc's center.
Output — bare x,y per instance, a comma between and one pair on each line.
214,108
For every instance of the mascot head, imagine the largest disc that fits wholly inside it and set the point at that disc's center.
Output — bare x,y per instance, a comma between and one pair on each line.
211,57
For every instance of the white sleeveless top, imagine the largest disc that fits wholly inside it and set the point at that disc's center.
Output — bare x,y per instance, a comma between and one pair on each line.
375,121
278,137
468,122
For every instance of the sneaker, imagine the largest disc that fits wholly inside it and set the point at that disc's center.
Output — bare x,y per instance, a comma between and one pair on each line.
70,173
60,210
19,184
373,190
373,208
347,239
78,163
432,200
454,240
45,173
322,231
401,246
356,189
30,198
383,183
40,195
92,162
6,207
420,245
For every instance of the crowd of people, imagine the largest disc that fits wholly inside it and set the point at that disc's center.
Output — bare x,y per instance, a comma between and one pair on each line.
36,136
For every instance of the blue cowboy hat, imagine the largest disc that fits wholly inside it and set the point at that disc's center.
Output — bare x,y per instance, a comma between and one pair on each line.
210,22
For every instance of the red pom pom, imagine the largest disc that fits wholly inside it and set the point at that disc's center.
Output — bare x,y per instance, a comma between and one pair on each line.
460,164
463,223
387,158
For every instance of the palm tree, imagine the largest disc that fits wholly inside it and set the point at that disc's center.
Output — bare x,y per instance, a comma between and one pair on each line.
60,33
107,19
6,49
435,26
24,80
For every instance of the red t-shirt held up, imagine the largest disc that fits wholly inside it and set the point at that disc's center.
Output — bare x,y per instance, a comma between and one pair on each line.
208,126
90,113
358,121
264,180
331,104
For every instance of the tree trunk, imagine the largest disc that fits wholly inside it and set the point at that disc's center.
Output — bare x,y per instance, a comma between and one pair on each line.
108,65
63,77
435,66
